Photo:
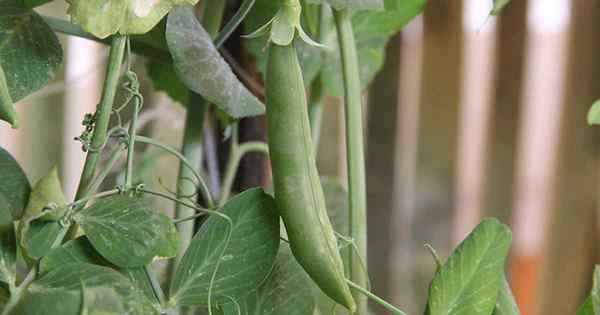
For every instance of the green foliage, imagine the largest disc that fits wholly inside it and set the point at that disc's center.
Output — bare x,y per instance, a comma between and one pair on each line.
8,248
593,117
202,69
469,282
24,36
8,112
165,79
505,304
286,291
41,225
71,277
353,4
14,187
239,256
107,17
127,232
591,306
498,6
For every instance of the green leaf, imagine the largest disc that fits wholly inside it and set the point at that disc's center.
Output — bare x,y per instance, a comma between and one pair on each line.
285,291
127,232
14,187
70,277
498,6
81,250
49,301
506,304
106,17
470,280
101,301
353,4
8,247
591,306
244,261
40,227
202,69
593,117
35,3
30,52
8,112
372,30
165,79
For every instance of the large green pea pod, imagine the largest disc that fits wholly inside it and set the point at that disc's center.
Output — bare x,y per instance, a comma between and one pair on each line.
298,191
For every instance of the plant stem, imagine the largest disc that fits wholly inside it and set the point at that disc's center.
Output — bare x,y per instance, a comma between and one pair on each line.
95,184
16,295
234,22
235,156
375,298
131,143
355,151
156,288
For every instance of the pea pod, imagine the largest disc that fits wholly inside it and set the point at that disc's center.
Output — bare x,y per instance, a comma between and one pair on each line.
298,191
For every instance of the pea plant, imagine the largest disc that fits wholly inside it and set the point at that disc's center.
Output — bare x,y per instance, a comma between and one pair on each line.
300,250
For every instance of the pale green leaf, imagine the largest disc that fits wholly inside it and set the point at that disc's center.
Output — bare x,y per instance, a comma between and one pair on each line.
14,187
127,232
70,277
30,52
81,250
202,69
285,292
8,247
498,6
39,227
101,301
245,261
506,304
49,301
593,117
470,280
8,112
106,17
591,306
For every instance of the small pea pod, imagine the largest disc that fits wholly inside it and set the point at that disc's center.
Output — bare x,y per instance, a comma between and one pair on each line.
7,108
298,191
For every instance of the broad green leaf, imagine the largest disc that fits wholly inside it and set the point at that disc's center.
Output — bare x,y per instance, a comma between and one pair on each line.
8,248
593,117
202,69
35,3
14,187
470,280
40,227
498,6
506,304
127,232
165,79
372,30
8,112
245,261
72,276
30,52
101,301
106,17
81,250
49,301
285,292
353,4
591,306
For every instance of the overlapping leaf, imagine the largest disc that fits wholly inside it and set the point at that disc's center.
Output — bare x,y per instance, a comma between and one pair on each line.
127,232
106,17
591,306
8,247
285,292
40,225
14,187
202,69
29,51
245,259
72,276
470,280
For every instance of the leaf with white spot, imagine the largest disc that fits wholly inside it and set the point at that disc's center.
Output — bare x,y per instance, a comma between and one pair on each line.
106,17
470,280
202,69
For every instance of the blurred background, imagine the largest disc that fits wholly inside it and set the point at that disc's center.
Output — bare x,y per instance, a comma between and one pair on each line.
471,117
